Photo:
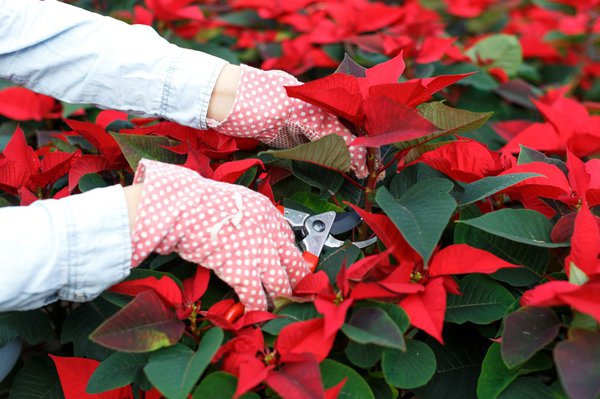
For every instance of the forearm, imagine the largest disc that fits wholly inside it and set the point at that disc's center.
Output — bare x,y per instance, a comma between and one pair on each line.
73,248
82,57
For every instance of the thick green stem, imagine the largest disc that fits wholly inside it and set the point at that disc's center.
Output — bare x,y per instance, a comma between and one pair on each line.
371,183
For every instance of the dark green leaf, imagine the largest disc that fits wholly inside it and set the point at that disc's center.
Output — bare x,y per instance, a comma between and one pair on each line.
355,387
329,151
363,355
81,322
145,324
578,364
453,120
458,365
327,181
527,388
410,176
521,225
174,371
370,325
291,313
332,259
313,202
395,312
219,385
90,181
526,331
37,380
136,147
32,326
483,300
487,186
421,214
529,155
410,369
118,370
495,377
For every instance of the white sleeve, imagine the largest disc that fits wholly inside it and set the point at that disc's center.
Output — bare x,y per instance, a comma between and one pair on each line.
81,57
73,248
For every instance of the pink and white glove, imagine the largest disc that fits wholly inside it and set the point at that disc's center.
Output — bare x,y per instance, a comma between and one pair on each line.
263,110
230,229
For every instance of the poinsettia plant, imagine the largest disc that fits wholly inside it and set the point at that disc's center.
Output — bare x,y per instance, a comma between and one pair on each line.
480,119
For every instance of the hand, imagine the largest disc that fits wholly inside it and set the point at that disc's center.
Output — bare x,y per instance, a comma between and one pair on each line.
262,110
230,229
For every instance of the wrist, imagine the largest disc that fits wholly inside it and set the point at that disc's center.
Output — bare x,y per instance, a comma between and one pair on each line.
224,93
132,197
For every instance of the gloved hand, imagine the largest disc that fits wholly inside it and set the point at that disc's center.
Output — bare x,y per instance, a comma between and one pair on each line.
262,110
236,232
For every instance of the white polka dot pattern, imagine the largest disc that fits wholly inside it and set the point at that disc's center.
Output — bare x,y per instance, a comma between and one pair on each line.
230,229
263,110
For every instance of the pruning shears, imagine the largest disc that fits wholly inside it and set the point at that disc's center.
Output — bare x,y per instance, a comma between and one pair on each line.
314,232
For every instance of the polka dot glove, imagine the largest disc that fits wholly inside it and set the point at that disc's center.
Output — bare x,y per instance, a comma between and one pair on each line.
230,229
262,110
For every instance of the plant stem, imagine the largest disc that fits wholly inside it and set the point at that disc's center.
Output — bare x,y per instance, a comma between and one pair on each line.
371,182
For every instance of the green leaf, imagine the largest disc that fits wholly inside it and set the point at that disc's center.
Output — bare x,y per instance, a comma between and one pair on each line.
458,365
533,259
498,51
487,186
410,176
363,355
527,388
90,181
4,202
449,120
37,380
410,369
483,300
453,120
219,385
332,258
290,314
526,331
80,323
529,155
136,147
370,325
174,371
495,377
521,225
313,202
349,67
118,370
421,214
355,387
397,314
578,364
145,324
330,151
32,326
327,181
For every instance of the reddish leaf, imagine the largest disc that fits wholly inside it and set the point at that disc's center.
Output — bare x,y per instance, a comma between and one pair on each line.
251,372
539,136
305,337
144,324
100,139
54,165
74,374
433,49
172,10
578,176
577,364
108,116
17,150
339,94
385,72
465,161
463,258
334,391
361,268
84,165
585,243
374,291
300,379
552,184
390,122
253,317
22,104
13,175
165,287
334,313
585,299
312,283
426,310
547,294
229,172
195,286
